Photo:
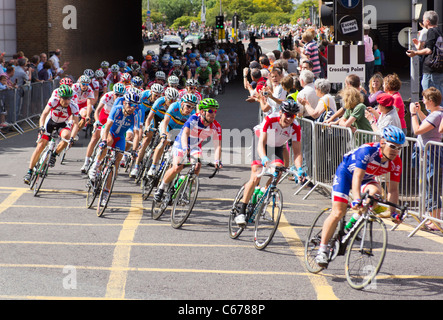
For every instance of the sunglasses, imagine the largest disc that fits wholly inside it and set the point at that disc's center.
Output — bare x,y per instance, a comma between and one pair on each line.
188,106
85,84
133,105
289,115
211,110
393,146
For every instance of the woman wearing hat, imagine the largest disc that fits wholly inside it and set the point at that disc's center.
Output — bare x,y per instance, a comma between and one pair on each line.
385,115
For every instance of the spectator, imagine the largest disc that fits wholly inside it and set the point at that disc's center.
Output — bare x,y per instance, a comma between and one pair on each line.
308,91
310,52
3,82
392,85
429,129
43,59
430,78
369,55
10,70
292,63
21,76
272,96
355,113
325,107
55,59
375,88
377,59
33,69
45,74
385,115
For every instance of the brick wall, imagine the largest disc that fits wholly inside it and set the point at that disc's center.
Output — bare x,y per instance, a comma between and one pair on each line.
106,30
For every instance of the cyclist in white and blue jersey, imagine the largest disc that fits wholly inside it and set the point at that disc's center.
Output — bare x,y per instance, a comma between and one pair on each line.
176,116
148,98
121,119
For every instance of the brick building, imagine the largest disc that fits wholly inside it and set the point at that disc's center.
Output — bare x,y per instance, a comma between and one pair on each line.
87,32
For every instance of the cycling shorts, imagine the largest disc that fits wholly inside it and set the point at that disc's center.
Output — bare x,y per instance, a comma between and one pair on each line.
50,125
275,154
343,184
119,141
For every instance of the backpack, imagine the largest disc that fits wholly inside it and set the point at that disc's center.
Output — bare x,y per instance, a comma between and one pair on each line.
435,61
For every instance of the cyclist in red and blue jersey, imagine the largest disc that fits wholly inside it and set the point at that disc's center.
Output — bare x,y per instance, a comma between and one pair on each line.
357,172
194,132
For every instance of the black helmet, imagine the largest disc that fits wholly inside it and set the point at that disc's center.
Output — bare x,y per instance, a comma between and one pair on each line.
290,106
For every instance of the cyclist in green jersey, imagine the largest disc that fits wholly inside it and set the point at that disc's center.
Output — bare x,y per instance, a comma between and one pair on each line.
203,75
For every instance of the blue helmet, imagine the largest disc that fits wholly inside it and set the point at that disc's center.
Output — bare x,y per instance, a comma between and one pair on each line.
394,134
132,97
119,88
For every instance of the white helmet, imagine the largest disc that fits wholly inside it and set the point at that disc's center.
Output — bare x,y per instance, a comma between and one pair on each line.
171,94
160,75
157,88
173,80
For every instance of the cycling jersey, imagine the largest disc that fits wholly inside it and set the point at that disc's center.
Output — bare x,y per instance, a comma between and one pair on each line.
198,134
59,114
223,60
121,124
177,118
81,97
95,85
203,75
232,57
193,66
215,67
108,100
367,157
146,101
278,136
159,107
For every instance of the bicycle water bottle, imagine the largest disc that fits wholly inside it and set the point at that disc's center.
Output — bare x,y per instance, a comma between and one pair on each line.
255,194
179,181
261,193
352,221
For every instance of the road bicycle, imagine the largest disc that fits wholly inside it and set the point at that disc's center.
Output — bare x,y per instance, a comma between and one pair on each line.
364,246
182,194
265,213
40,170
104,181
146,163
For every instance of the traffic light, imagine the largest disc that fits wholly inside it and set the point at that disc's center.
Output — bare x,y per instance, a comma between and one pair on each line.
235,22
219,22
348,21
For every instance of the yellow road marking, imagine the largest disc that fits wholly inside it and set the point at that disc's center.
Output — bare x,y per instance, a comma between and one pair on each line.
11,199
322,288
117,279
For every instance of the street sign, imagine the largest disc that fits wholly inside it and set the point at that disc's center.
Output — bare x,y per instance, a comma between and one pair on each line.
349,4
348,24
344,60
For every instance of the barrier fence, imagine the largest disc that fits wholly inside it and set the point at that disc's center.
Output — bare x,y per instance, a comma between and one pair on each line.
421,182
22,104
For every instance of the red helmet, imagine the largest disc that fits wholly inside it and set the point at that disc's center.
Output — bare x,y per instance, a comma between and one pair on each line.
66,81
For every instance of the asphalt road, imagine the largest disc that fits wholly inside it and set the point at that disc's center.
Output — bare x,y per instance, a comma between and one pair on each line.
53,247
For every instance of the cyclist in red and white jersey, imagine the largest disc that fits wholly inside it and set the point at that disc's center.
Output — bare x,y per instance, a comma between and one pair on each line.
101,115
191,87
104,66
113,77
102,83
56,115
160,78
95,86
84,97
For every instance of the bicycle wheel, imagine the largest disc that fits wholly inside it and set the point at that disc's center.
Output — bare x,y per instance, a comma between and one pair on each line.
366,252
93,192
103,200
41,173
234,229
267,219
184,201
158,208
312,243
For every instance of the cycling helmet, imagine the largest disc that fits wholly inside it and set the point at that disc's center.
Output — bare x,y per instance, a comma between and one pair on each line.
99,74
394,134
84,79
157,88
126,77
150,53
67,81
132,97
208,103
171,94
204,64
189,82
115,68
137,81
212,57
89,72
104,64
122,64
192,56
166,57
134,90
176,63
65,91
129,58
290,106
160,75
190,98
135,67
221,51
119,88
173,80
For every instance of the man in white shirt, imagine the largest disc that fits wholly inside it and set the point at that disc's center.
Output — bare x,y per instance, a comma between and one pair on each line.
55,59
308,92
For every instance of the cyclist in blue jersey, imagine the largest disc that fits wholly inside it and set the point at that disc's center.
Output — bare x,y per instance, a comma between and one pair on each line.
176,116
160,107
357,173
148,99
122,118
188,143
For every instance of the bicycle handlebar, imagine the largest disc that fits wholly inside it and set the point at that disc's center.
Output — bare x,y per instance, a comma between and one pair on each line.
378,199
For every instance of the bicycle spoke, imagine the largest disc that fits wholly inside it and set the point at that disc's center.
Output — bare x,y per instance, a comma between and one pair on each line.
267,219
184,202
366,252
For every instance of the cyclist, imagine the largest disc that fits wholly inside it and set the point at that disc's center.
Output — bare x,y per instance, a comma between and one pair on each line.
275,131
101,115
84,98
216,71
192,65
103,84
94,84
148,98
122,118
203,75
233,61
191,87
158,112
223,59
160,78
113,76
194,132
357,173
176,116
104,66
56,115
